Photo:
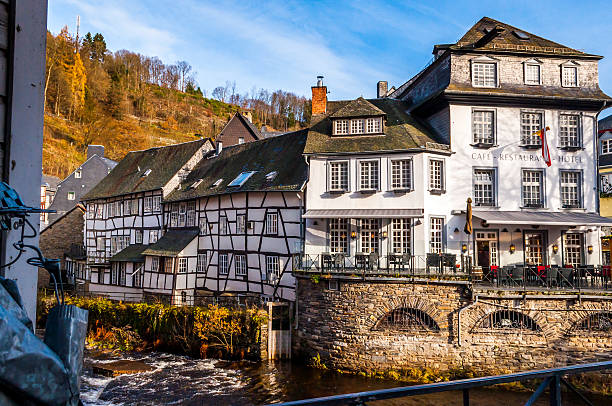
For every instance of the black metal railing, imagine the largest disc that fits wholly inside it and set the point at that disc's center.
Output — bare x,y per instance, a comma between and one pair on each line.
548,277
373,264
552,379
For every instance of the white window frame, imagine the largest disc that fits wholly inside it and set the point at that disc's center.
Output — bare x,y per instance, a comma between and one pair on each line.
203,226
338,231
201,262
480,183
541,185
182,214
156,204
436,234
71,195
223,266
373,179
135,206
272,268
606,146
565,130
529,126
401,236
153,236
573,202
573,251
341,127
369,235
154,264
568,68
401,179
476,64
334,168
78,174
479,123
182,264
191,213
357,126
240,265
432,181
223,225
100,243
532,64
148,204
138,236
373,125
272,223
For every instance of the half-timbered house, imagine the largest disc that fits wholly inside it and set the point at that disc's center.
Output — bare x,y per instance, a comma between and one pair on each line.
125,215
233,224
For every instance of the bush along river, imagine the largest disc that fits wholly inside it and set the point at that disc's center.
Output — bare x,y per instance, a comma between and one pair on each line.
208,356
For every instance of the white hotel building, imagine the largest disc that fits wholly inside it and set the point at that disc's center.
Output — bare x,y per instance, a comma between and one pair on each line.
400,168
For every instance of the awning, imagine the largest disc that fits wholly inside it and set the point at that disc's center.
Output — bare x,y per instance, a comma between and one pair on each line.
362,213
133,253
543,218
173,242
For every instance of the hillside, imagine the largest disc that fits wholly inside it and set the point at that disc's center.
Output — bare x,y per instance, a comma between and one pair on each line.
127,101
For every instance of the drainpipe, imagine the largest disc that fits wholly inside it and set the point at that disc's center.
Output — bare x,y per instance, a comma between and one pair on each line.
596,139
459,319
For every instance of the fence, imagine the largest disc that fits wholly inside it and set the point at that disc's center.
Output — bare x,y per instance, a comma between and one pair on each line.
551,378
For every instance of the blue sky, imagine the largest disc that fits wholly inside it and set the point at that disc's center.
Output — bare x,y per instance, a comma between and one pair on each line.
286,44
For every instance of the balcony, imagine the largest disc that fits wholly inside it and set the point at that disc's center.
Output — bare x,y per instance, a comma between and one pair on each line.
373,264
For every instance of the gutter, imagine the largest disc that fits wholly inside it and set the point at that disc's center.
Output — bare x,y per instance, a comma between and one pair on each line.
459,318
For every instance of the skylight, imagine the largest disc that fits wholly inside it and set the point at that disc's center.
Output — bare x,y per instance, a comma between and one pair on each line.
147,172
196,183
240,179
521,34
218,182
271,175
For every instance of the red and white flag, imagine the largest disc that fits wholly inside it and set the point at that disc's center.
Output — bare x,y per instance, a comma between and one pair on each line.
545,152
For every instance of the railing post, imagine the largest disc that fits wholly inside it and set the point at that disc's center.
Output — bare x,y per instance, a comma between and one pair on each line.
555,390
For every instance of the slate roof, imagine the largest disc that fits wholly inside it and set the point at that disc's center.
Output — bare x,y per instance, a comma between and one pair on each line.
131,253
402,131
605,124
172,242
51,181
282,154
359,107
127,177
578,93
228,131
508,38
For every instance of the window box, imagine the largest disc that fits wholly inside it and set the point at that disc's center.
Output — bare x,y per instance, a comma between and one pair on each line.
367,191
571,206
437,191
531,146
571,148
532,206
483,145
401,191
337,191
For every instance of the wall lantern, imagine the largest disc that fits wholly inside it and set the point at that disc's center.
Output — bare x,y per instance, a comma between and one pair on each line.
353,234
464,248
590,249
343,236
315,223
456,230
384,234
505,230
372,235
512,248
555,248
418,222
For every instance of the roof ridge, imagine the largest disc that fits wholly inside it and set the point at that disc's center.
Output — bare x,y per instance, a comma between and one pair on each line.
168,146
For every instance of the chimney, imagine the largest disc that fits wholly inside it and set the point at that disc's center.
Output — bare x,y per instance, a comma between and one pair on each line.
382,89
95,150
319,97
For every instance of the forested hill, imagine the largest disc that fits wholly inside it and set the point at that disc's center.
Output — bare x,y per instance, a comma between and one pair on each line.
127,101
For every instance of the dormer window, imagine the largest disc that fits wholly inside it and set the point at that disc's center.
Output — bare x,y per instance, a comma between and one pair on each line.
569,76
358,126
484,74
533,71
241,179
374,125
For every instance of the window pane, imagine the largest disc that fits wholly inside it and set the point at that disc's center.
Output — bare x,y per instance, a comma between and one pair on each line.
401,174
369,235
338,176
482,126
569,136
436,227
572,249
338,235
484,74
484,187
401,236
532,189
531,123
368,175
570,76
570,189
532,74
435,175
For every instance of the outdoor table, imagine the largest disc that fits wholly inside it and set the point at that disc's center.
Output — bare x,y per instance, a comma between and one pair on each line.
362,260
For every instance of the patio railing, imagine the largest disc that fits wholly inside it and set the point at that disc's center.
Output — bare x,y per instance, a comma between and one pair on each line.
548,277
373,264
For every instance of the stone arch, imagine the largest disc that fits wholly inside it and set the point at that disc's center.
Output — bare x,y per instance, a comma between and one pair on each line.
487,312
414,305
576,316
507,319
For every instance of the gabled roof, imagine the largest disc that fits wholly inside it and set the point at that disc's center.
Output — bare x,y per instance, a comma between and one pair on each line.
129,175
402,131
77,206
359,107
172,242
282,154
245,122
50,181
492,35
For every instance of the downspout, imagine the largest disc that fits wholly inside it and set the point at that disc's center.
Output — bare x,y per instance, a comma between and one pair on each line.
596,141
459,318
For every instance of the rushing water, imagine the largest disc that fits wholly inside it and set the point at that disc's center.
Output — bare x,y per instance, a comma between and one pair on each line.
179,380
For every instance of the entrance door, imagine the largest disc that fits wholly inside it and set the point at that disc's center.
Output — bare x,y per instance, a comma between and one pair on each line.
535,251
486,249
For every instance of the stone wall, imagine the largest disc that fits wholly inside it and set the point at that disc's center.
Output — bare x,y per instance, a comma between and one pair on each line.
343,327
56,239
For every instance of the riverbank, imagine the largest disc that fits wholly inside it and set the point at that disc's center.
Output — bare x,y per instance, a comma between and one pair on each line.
199,332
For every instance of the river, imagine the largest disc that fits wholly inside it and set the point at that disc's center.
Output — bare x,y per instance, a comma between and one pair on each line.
180,380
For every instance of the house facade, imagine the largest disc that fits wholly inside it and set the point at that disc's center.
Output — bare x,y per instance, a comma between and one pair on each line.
238,130
125,214
233,225
489,95
76,185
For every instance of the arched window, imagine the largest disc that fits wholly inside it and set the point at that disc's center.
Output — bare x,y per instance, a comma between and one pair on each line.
508,320
600,321
407,318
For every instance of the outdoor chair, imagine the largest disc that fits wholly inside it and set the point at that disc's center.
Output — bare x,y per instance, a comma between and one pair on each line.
433,260
373,260
338,261
406,261
504,275
566,277
552,276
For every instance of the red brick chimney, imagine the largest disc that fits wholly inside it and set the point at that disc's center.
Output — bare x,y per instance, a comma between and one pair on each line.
319,97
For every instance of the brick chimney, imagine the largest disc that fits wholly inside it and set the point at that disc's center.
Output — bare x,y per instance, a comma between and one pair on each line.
381,89
95,150
319,97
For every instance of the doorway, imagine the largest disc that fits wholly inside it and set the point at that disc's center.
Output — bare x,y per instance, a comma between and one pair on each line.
486,249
